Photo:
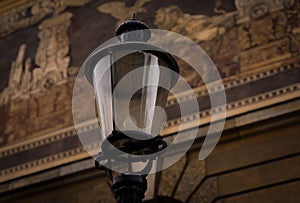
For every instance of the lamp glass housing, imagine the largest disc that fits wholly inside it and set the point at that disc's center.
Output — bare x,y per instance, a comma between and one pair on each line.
131,88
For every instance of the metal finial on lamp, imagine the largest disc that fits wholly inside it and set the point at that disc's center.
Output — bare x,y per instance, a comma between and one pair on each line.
142,30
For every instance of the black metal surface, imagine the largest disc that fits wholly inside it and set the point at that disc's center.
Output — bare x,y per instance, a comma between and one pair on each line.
130,47
145,145
129,188
142,30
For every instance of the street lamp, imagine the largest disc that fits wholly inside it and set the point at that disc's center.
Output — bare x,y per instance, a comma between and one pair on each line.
131,79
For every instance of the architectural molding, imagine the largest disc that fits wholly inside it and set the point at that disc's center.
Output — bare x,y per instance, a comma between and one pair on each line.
63,170
80,153
83,164
238,80
46,139
233,108
261,59
43,163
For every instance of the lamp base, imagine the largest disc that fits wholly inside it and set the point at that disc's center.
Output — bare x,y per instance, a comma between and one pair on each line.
129,188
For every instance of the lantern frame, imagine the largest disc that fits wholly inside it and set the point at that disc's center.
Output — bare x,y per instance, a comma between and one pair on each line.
131,186
92,60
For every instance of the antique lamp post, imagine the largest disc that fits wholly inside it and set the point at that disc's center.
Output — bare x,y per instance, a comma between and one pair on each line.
131,88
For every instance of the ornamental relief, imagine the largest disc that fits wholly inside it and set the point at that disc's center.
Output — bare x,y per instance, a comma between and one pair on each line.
51,55
32,106
32,12
255,9
271,38
30,101
216,35
120,12
234,40
219,30
197,27
51,58
233,46
260,32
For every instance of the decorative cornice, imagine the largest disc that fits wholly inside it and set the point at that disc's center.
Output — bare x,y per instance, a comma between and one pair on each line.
277,110
238,80
78,153
43,163
239,106
233,108
46,139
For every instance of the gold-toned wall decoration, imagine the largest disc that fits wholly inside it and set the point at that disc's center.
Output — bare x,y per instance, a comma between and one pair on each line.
254,9
119,11
37,101
31,12
260,32
217,9
19,80
51,57
30,98
197,27
270,39
56,6
235,42
216,35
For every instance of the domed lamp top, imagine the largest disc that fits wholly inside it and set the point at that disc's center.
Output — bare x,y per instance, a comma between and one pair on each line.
142,30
